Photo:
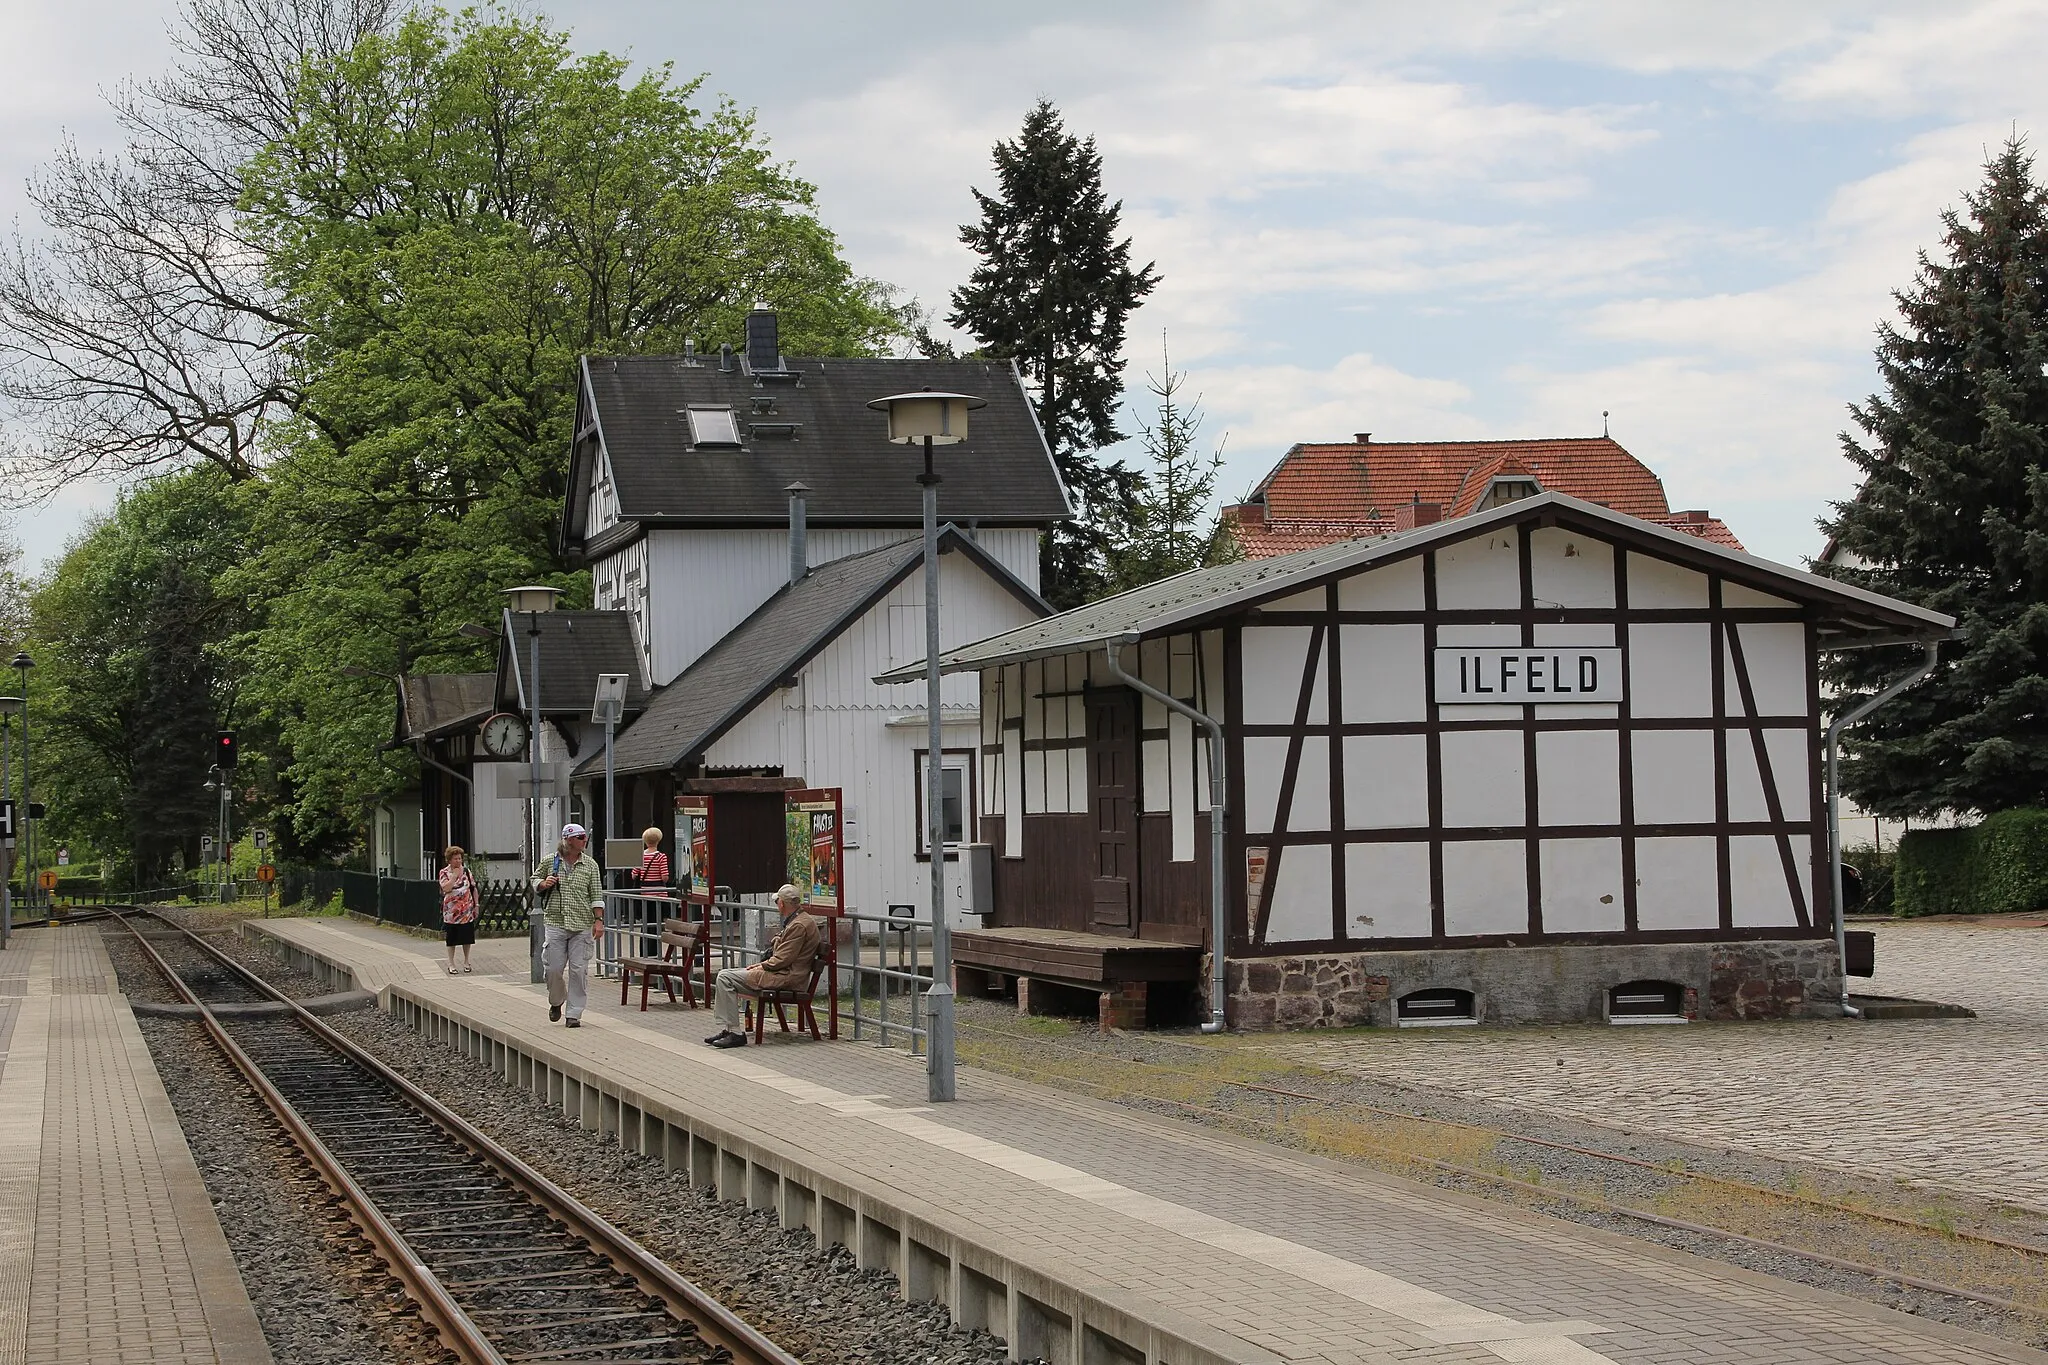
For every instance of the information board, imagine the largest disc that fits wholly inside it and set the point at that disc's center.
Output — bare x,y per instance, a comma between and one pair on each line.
814,845
693,840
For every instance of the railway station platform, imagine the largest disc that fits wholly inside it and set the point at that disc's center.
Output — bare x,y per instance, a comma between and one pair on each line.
1089,1234
109,1247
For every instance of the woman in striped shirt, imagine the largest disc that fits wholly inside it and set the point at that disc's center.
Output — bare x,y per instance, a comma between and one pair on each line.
652,874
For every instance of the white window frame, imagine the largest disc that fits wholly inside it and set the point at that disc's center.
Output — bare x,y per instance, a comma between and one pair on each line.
950,761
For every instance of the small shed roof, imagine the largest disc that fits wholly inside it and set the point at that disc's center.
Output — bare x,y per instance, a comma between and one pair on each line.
575,646
1849,616
435,704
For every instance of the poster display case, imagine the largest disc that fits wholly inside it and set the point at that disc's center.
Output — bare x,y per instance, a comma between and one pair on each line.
814,846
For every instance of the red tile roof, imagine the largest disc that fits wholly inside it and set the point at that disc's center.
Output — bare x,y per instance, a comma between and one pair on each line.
1324,492
1701,525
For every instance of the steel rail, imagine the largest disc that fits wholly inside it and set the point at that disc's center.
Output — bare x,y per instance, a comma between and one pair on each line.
441,1312
1697,1177
717,1325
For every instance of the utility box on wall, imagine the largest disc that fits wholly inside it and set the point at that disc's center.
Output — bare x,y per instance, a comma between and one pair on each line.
977,881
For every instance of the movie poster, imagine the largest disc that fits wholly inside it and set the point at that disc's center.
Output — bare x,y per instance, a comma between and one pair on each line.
693,826
813,844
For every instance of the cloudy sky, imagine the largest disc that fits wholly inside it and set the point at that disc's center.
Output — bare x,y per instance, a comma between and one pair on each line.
1475,218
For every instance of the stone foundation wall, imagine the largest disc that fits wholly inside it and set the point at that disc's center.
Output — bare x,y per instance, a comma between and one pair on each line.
1551,984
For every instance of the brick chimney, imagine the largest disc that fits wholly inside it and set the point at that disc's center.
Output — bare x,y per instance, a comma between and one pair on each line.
764,353
1417,513
1247,513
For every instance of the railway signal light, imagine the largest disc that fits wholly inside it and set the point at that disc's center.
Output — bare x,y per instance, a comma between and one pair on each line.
224,749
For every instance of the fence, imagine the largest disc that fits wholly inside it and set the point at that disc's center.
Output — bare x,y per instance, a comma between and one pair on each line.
83,893
417,905
740,933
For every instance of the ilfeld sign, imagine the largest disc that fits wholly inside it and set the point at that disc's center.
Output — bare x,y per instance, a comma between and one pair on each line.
1550,674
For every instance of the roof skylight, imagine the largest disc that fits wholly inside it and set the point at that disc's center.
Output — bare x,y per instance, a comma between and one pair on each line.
713,426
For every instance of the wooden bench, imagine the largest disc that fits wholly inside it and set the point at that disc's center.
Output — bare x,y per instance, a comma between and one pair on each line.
678,936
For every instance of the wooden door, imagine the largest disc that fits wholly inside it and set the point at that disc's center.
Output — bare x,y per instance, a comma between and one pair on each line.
1113,808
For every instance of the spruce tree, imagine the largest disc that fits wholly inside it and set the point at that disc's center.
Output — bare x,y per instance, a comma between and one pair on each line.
1052,292
1168,527
1952,514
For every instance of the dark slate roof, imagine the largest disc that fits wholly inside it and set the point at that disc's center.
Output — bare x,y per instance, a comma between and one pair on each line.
1002,474
438,703
575,646
786,632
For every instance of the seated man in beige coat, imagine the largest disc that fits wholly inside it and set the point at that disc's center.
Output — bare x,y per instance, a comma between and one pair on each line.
786,967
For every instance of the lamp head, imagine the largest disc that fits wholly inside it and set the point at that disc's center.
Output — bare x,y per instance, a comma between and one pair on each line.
532,598
23,662
940,416
13,706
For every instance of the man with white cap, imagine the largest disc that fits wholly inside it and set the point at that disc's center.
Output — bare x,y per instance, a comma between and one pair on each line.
785,967
572,905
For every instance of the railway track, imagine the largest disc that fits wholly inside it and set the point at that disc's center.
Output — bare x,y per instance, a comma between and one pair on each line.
505,1266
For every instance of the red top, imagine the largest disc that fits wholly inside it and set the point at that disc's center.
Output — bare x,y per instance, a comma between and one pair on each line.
653,869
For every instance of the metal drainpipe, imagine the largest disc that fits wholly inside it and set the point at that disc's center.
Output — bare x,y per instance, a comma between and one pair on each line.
1896,686
1217,917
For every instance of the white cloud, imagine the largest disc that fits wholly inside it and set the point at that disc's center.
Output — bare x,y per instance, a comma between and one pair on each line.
1955,59
1317,179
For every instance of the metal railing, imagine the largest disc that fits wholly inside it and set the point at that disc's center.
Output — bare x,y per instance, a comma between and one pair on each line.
876,994
906,982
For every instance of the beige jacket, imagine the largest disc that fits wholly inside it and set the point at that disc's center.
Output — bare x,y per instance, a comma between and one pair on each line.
787,967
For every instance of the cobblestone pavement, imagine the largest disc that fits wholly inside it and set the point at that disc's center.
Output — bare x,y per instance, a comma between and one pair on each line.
1958,1103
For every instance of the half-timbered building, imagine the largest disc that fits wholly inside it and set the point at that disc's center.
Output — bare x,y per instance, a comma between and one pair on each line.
1544,762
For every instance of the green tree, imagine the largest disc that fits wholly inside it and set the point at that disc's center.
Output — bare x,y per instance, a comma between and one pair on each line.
1953,513
132,679
462,208
13,591
1168,527
1053,292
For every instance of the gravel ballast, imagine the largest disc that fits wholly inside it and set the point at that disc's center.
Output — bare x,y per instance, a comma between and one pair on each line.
319,1292
322,1298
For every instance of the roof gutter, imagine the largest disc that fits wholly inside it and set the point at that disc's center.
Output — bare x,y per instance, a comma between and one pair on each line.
1217,925
1841,723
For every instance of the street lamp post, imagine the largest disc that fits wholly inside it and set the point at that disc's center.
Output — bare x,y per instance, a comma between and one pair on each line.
217,786
533,600
10,707
22,664
933,419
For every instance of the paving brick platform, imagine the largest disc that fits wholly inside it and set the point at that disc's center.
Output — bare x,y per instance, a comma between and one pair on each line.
109,1247
1090,1233
1954,1103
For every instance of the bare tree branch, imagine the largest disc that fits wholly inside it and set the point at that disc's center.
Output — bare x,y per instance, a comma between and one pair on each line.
137,329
